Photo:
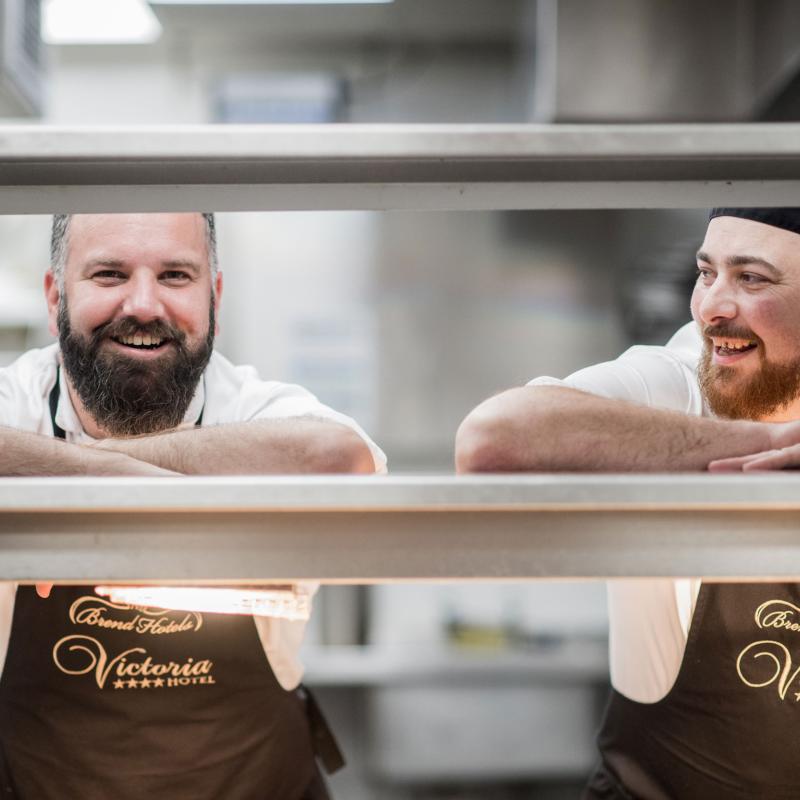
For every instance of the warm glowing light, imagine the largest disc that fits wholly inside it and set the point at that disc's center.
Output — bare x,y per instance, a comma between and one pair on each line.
287,602
99,22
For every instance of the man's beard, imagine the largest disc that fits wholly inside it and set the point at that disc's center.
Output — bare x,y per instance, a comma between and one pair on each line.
125,395
772,387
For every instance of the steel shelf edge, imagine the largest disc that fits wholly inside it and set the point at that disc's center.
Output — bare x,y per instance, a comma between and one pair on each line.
401,494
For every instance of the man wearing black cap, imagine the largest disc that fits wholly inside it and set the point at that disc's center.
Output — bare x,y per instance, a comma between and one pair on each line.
706,688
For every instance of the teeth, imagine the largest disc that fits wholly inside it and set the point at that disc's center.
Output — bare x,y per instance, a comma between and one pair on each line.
738,345
139,340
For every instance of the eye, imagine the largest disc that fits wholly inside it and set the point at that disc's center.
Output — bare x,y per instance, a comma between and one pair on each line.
175,277
704,275
752,279
108,277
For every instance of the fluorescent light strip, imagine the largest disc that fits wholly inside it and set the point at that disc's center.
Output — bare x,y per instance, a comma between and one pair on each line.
283,602
99,22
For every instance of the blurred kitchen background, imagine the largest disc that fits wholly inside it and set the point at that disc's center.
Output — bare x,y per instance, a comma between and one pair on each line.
406,320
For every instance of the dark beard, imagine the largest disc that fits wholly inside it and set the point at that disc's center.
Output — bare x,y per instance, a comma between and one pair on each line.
773,387
126,396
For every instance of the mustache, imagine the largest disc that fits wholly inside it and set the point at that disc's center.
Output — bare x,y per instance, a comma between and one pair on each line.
729,331
130,326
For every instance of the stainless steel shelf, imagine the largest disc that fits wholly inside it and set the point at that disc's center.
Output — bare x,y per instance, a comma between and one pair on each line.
573,658
237,168
379,529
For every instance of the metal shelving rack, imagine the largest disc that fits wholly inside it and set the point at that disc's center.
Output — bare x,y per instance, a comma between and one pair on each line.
387,529
311,167
378,529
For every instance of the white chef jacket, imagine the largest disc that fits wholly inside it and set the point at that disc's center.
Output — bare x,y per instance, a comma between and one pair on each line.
649,619
226,394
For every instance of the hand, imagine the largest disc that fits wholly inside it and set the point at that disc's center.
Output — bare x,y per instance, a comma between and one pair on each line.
782,458
785,452
43,589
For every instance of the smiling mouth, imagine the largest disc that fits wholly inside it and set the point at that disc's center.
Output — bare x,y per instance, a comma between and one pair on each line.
731,347
141,341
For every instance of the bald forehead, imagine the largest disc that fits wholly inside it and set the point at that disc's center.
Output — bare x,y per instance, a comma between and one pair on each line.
138,237
111,223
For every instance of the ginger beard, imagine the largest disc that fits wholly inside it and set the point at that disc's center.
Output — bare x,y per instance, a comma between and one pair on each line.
125,395
734,396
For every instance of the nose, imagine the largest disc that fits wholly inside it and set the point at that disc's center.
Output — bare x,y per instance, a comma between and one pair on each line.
718,302
142,298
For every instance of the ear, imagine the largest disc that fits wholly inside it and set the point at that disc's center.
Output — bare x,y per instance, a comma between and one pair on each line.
217,300
53,297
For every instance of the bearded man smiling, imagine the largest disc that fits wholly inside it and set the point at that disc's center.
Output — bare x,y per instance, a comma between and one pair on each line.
135,387
696,709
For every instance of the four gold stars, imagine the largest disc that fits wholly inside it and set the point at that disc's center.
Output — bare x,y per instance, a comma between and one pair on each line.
144,683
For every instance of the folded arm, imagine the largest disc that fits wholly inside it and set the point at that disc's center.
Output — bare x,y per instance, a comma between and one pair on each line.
24,454
553,428
259,447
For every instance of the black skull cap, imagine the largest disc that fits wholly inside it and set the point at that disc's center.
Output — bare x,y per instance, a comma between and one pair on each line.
786,218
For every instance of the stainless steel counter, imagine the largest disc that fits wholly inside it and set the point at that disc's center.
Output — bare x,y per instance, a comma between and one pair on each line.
228,168
378,529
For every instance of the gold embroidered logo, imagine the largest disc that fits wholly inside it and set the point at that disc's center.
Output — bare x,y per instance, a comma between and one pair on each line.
779,666
101,613
778,614
132,668
767,662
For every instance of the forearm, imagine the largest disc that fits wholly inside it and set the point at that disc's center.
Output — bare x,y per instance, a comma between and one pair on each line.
24,454
550,428
259,447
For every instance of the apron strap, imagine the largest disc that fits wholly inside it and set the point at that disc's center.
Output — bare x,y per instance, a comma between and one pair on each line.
326,748
317,789
58,431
